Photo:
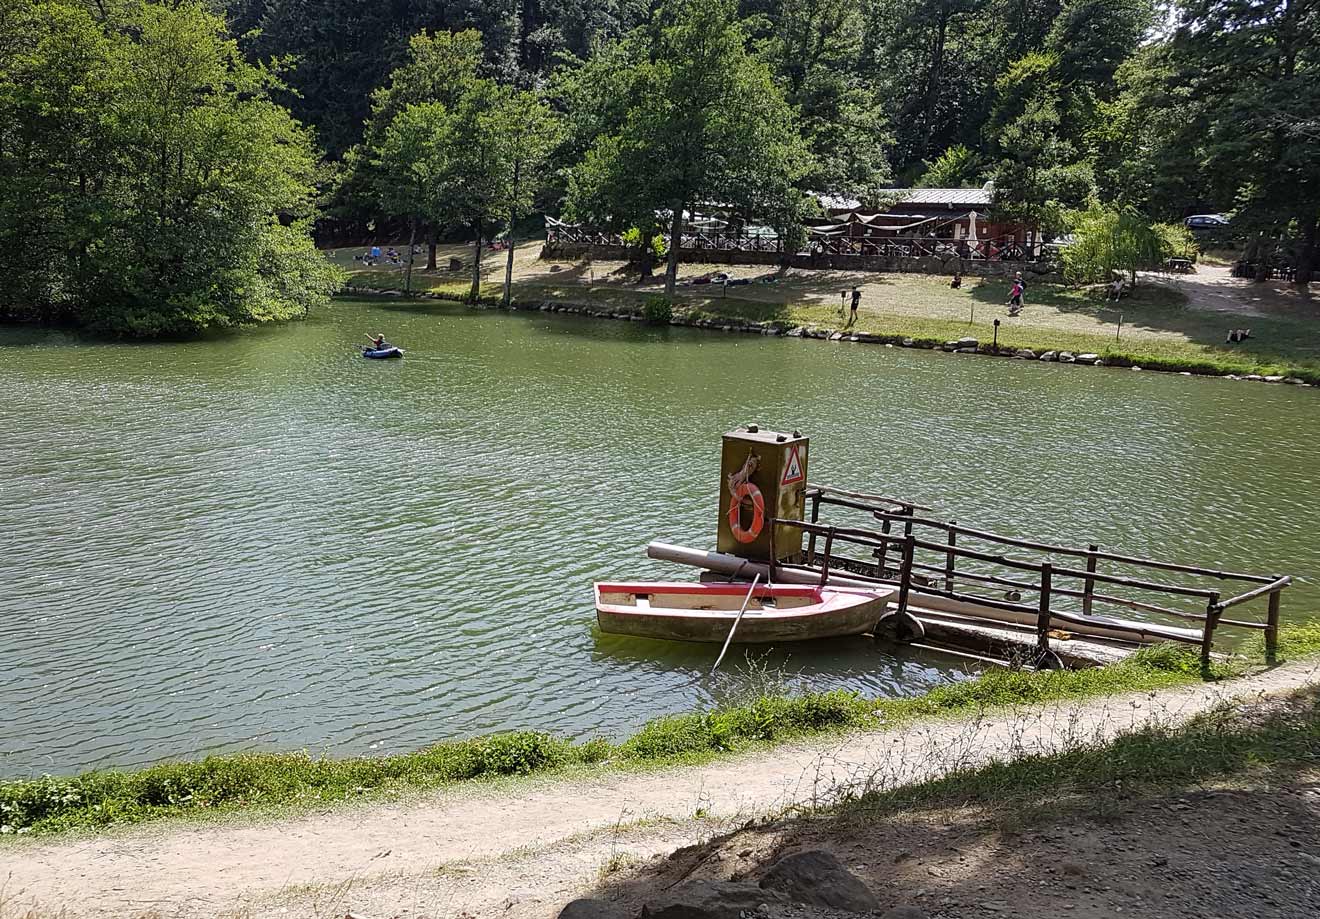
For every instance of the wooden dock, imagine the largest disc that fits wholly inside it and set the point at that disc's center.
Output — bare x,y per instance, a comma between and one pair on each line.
960,590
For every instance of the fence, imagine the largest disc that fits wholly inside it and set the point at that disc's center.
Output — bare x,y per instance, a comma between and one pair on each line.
700,239
933,558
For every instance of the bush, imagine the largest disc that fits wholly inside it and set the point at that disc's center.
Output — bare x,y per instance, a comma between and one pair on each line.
657,310
521,753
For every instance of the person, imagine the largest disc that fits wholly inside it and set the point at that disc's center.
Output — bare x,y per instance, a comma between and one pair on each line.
1116,289
1015,297
856,302
378,342
956,283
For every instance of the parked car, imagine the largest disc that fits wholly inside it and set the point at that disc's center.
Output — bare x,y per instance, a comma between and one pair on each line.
1205,221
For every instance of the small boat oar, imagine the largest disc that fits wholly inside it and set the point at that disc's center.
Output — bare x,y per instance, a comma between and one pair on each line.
747,599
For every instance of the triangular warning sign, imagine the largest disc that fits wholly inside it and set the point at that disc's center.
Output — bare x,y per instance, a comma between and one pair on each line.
793,468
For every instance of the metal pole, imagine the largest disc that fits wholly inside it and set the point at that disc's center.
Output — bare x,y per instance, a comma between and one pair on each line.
747,599
905,577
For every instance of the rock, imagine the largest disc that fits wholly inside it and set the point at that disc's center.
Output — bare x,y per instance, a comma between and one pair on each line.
1067,357
794,332
1025,353
837,336
817,878
964,350
709,900
1253,377
1050,356
1274,378
591,909
1293,381
903,912
1136,367
1099,363
967,343
1087,358
553,269
908,342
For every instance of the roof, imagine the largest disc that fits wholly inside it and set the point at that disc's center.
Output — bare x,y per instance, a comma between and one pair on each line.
941,197
950,197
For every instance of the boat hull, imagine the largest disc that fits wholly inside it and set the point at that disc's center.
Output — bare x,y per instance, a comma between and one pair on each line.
382,354
706,612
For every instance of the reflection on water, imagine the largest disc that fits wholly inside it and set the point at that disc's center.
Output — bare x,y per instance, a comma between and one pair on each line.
266,542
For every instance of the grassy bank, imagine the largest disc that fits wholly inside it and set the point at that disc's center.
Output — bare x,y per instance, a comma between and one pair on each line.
261,780
1154,328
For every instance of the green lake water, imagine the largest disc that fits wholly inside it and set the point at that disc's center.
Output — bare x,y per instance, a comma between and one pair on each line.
267,542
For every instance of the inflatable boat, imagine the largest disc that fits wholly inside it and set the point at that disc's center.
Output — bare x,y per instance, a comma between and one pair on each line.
381,354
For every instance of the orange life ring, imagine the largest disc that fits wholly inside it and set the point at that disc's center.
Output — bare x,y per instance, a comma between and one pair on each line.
746,490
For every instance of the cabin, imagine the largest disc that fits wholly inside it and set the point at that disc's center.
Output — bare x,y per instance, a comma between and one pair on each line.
916,222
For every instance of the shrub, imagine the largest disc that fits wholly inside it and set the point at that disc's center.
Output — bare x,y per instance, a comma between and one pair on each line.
657,310
521,753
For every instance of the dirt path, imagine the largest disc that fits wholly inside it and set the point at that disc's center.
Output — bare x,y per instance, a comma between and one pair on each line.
524,854
1212,288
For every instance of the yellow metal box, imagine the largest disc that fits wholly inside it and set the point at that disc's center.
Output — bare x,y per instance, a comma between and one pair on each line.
763,475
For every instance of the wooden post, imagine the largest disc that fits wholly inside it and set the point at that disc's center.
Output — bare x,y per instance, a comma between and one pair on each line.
825,565
1043,617
949,557
1212,614
1088,586
884,546
770,568
905,576
1272,628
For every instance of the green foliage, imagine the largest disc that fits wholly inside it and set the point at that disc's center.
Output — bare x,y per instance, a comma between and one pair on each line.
658,310
956,167
1109,240
98,799
148,184
700,120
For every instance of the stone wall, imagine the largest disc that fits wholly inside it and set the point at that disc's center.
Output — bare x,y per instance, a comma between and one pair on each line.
928,265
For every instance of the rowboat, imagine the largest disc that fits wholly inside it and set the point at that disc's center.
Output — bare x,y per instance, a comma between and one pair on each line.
706,612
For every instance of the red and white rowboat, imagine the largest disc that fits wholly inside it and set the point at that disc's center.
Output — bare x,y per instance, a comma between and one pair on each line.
706,612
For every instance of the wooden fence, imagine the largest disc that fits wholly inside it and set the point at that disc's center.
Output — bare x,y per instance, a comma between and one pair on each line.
934,558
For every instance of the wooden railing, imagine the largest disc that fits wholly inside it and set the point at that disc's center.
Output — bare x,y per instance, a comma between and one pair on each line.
922,554
697,239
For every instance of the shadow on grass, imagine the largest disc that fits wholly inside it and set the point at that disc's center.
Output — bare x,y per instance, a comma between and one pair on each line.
1135,821
1154,307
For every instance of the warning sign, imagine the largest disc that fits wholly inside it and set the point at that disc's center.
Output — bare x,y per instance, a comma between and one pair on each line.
793,468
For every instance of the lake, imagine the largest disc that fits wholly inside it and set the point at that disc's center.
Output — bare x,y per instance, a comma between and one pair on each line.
264,541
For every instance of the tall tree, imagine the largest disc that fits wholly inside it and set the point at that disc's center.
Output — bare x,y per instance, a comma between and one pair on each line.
704,122
1255,65
183,199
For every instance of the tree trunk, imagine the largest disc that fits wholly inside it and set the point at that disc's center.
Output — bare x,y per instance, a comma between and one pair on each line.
430,250
513,217
476,264
1306,258
407,274
675,240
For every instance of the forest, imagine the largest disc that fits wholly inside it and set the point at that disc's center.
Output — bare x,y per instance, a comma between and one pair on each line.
162,165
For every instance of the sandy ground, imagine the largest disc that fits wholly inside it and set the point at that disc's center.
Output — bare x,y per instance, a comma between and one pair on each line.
1212,288
482,853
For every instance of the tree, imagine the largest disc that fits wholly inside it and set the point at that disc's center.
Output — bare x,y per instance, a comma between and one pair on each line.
1107,240
181,196
411,168
1255,67
526,133
813,49
957,167
703,122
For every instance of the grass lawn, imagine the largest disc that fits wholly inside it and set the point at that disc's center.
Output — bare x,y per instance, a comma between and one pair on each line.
1156,327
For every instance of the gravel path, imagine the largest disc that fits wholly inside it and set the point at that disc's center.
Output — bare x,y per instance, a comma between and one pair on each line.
523,854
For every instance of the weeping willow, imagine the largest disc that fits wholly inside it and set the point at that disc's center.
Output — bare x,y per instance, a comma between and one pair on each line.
1108,241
